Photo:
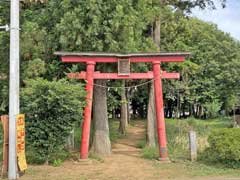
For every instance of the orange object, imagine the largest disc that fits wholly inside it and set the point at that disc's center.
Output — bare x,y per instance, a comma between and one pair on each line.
21,158
5,124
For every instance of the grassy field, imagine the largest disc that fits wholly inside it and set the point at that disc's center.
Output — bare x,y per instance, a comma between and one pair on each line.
177,135
178,146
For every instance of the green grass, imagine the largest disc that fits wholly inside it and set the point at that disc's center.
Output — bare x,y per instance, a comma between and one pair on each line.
177,136
141,144
150,153
187,169
113,130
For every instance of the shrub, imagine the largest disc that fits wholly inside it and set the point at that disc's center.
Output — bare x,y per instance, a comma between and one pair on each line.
213,108
52,109
224,146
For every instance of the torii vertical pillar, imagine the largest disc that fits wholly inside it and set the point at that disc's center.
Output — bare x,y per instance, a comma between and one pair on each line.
87,111
161,130
155,58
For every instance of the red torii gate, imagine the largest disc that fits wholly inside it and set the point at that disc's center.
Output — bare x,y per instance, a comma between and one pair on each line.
90,59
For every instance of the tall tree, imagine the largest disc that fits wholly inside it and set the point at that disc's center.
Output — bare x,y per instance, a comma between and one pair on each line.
151,114
124,112
209,72
116,26
101,141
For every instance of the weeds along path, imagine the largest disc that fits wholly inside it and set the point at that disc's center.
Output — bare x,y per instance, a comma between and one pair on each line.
125,163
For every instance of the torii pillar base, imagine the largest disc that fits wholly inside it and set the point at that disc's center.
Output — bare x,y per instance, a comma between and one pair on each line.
164,160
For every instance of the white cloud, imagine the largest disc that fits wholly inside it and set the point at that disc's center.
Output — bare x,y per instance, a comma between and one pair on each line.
227,19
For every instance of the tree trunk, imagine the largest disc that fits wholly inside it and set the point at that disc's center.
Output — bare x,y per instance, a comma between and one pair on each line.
199,111
101,141
128,113
178,111
157,32
171,109
128,106
113,113
151,117
124,112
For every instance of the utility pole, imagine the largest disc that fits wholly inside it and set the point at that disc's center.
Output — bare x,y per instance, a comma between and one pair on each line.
13,87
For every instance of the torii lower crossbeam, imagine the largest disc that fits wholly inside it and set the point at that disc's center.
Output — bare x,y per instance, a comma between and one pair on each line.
148,75
157,75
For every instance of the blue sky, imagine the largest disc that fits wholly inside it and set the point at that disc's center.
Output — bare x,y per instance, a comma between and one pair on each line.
227,19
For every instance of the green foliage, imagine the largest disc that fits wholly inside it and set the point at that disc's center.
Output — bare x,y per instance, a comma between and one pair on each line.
126,26
224,147
212,70
188,5
3,97
34,68
52,109
33,41
177,134
116,26
4,61
57,162
141,144
213,108
114,133
150,153
231,102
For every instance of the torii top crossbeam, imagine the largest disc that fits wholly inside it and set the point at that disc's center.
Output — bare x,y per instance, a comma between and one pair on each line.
124,61
114,57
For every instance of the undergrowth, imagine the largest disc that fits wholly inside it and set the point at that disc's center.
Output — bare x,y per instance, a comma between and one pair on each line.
177,136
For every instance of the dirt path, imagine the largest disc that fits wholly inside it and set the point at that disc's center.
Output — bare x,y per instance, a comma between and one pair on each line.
124,164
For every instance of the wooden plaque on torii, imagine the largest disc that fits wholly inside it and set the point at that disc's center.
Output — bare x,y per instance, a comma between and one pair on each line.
124,61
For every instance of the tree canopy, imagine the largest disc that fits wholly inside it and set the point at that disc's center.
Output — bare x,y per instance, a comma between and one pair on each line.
210,75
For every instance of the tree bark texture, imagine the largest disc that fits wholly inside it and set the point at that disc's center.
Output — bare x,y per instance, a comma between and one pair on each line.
128,105
156,32
124,110
151,116
151,120
101,140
